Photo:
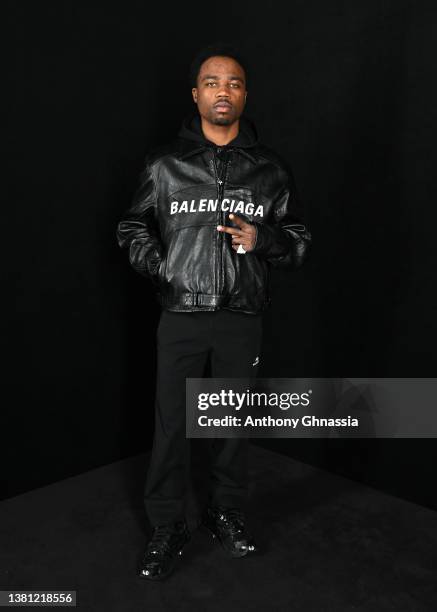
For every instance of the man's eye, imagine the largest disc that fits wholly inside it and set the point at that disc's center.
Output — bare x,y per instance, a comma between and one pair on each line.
235,84
211,83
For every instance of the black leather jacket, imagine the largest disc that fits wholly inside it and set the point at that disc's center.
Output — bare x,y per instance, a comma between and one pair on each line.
189,187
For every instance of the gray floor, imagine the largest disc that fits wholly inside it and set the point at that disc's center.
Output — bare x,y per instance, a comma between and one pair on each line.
327,544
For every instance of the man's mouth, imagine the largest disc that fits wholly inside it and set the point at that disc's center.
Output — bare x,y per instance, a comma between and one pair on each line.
222,107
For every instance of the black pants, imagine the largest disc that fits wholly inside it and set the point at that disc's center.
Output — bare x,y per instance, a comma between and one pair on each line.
185,340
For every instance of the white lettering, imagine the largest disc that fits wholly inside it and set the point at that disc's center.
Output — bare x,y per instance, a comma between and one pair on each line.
204,205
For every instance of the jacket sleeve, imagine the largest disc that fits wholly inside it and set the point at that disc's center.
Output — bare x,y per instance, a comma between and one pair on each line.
284,241
138,231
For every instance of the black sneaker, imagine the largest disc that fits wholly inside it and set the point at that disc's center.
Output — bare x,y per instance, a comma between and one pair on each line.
163,550
228,526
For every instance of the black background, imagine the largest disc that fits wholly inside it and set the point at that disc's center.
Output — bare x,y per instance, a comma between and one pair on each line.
344,90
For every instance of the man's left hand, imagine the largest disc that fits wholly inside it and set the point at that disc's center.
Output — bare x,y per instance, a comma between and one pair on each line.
245,234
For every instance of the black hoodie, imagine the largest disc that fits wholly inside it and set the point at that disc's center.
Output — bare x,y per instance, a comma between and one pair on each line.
192,130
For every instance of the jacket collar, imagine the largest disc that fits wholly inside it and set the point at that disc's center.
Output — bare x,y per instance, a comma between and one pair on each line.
193,141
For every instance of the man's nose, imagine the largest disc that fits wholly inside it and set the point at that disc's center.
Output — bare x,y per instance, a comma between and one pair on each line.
223,91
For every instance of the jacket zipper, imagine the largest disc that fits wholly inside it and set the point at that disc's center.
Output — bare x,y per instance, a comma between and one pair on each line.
220,182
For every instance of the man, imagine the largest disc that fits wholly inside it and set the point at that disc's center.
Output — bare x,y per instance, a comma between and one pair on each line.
213,210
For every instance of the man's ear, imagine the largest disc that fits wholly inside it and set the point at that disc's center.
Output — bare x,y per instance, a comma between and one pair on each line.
194,93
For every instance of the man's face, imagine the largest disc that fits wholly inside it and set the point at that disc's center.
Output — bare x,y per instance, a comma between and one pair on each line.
221,90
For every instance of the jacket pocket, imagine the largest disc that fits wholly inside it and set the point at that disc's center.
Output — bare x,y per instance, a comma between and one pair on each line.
154,267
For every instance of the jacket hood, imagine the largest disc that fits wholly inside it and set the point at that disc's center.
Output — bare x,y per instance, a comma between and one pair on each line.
247,136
